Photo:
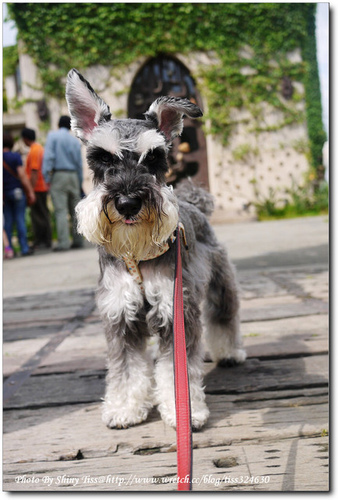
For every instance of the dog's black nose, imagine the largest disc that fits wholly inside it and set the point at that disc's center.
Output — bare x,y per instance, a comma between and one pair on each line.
128,206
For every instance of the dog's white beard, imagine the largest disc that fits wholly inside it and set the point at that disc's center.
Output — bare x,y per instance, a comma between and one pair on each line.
121,239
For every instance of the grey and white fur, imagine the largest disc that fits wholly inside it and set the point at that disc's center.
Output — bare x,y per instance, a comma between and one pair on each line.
132,212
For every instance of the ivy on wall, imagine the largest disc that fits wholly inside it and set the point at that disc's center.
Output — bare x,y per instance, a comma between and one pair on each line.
59,36
10,60
10,57
316,133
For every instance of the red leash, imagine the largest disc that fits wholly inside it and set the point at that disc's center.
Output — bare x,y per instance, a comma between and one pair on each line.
182,396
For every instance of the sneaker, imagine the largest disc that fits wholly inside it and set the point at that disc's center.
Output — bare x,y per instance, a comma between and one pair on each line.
41,245
8,253
27,254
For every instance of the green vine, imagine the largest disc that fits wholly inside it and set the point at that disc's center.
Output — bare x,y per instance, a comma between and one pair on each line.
10,57
255,36
316,133
10,60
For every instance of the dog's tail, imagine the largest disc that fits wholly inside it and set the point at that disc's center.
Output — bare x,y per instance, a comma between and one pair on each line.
187,191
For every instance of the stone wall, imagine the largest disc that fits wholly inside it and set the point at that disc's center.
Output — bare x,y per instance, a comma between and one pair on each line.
255,165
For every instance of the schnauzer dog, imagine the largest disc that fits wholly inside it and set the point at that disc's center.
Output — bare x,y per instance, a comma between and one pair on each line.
131,214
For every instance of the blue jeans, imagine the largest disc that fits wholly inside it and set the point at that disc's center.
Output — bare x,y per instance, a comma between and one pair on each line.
14,213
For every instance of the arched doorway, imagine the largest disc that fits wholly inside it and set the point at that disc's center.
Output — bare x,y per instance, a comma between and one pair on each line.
164,75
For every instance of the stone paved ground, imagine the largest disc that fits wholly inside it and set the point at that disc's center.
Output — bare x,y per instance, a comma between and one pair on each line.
268,429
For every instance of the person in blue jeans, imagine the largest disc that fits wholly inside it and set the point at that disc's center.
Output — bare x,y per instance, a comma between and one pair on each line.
15,183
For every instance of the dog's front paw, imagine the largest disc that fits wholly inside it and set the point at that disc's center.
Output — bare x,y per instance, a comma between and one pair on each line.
168,413
233,358
122,418
199,415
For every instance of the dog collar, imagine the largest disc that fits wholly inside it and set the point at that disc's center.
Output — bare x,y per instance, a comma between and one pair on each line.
133,265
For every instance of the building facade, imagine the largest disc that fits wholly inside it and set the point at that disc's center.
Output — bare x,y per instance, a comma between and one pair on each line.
264,157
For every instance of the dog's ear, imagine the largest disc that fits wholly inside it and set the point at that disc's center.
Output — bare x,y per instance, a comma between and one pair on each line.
168,113
86,108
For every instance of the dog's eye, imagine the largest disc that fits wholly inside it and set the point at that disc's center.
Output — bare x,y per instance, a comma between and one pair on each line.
150,157
153,156
106,158
155,161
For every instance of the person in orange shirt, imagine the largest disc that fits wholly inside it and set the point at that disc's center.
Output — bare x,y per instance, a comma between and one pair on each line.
39,211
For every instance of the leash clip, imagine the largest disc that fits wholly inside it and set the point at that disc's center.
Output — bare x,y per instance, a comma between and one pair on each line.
182,230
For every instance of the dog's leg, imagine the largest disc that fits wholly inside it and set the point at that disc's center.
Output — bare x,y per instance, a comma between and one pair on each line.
193,335
221,312
165,389
164,370
128,397
128,383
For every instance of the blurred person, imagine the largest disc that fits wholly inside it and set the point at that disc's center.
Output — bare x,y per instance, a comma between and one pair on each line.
62,168
17,192
39,211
